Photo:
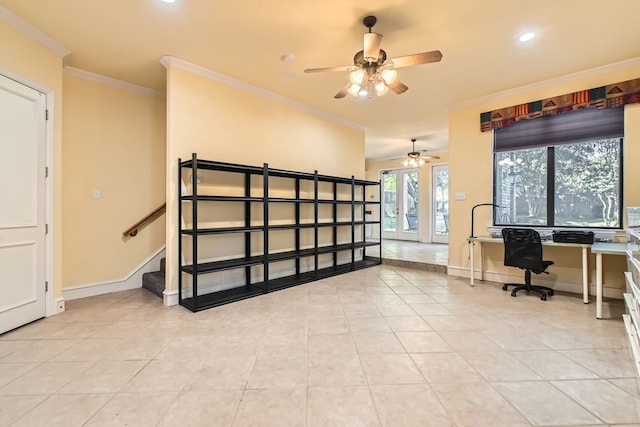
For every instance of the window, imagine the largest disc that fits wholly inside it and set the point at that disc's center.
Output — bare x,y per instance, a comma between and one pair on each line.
561,171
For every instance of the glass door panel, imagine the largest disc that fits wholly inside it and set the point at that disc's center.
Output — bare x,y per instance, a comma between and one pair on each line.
390,210
401,204
440,209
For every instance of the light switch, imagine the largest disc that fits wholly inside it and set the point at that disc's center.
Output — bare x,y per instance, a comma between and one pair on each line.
97,193
461,196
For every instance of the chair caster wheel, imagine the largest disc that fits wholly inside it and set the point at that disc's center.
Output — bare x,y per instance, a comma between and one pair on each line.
550,293
513,294
504,287
543,297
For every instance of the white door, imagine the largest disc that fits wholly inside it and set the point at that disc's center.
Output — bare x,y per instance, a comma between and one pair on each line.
440,208
22,204
400,204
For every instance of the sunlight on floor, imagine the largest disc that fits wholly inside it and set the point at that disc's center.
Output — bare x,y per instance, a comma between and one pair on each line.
428,253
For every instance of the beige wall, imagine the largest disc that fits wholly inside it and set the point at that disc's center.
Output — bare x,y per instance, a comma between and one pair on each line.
230,124
102,130
470,169
424,221
32,63
114,142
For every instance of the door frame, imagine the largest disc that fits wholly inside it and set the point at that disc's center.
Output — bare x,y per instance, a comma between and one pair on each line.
400,235
51,307
432,210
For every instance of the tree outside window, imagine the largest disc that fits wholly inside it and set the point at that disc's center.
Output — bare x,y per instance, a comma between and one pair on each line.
585,189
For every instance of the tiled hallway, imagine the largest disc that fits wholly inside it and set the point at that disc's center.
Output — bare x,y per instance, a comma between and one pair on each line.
429,253
382,346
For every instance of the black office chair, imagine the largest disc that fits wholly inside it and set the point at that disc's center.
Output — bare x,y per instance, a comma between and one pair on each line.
523,249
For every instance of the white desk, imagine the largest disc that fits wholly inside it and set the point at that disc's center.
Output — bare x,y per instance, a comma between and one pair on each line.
599,249
585,263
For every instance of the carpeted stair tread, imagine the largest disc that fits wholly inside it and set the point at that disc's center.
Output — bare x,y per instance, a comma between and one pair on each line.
154,282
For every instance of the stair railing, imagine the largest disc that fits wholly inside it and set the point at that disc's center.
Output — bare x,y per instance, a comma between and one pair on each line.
133,230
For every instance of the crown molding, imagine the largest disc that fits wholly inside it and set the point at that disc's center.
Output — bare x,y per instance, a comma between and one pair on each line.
547,83
172,61
108,81
35,34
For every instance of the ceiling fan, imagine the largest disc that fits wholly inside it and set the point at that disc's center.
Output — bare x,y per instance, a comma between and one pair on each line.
415,158
371,70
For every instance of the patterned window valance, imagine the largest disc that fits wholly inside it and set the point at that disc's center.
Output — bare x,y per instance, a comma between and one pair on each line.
613,95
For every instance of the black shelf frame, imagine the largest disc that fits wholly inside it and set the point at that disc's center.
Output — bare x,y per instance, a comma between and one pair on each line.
358,209
202,302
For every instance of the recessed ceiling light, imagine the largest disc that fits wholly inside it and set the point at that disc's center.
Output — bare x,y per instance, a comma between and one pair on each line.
527,36
169,1
288,58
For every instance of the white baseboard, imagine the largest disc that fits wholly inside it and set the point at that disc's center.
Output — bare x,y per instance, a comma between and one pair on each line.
60,306
573,287
132,281
170,297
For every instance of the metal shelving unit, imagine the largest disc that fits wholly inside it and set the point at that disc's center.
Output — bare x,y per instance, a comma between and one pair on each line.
345,256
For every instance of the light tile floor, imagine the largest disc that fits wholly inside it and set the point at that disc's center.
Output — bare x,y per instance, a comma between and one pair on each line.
382,346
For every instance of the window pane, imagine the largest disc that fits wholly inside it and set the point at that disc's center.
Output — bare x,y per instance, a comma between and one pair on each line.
410,202
587,181
521,187
389,184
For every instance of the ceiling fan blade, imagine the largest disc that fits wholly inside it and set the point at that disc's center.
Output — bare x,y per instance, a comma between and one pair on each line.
397,86
417,58
343,92
329,69
372,46
430,157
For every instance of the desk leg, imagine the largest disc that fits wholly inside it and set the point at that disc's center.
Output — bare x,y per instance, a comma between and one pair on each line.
599,286
471,256
481,261
585,276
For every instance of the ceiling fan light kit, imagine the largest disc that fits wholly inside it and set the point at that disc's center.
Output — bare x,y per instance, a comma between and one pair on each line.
415,158
413,163
371,71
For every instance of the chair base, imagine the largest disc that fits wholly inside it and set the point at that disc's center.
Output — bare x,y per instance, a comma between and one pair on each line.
542,290
527,286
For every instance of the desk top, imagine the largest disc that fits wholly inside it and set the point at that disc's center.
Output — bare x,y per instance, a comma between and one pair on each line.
609,248
487,239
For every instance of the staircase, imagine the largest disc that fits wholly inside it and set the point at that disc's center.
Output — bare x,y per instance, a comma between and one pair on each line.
153,281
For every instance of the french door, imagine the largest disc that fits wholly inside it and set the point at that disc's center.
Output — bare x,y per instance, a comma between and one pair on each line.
440,208
400,204
22,198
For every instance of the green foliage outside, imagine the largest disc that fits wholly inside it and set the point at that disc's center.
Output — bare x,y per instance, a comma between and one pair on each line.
586,185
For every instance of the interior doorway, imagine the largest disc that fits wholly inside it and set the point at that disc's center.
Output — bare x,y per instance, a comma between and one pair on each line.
400,204
440,203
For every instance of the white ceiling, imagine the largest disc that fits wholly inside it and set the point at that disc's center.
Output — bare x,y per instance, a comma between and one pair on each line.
124,39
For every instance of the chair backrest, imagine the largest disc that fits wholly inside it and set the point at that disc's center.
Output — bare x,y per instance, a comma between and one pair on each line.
523,249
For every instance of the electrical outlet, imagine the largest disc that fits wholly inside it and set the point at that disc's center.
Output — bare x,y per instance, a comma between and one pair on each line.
461,196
